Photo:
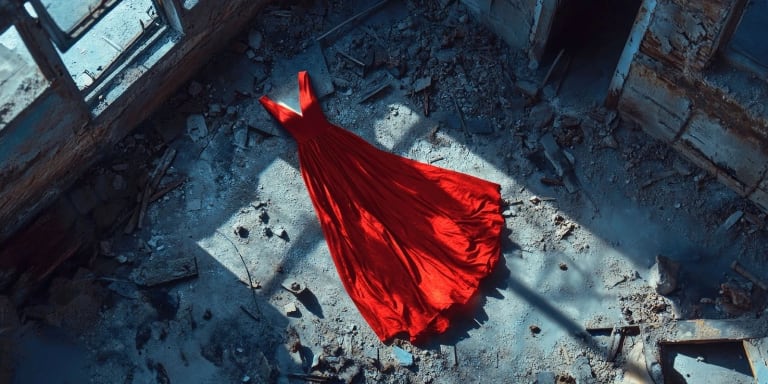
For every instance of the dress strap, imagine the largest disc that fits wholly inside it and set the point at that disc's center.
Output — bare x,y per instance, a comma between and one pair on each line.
310,107
302,126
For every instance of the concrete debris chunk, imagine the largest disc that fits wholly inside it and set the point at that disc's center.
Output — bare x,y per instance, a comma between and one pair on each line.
609,142
256,117
290,309
560,162
582,371
422,84
196,127
240,135
125,289
729,222
541,115
255,39
528,88
663,275
281,233
403,357
295,287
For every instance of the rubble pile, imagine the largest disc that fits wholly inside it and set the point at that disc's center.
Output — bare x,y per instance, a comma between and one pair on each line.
205,261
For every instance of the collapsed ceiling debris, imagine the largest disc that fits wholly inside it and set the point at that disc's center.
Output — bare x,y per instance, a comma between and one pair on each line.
192,252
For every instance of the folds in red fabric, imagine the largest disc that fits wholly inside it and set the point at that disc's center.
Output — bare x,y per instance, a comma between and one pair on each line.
410,241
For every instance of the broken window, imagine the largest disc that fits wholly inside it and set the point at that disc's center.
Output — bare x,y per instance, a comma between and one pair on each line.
747,47
21,81
92,36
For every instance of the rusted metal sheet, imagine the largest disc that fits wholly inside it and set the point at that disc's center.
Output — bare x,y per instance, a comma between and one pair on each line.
701,331
709,331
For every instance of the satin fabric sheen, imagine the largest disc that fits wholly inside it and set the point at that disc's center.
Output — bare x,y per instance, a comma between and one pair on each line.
410,241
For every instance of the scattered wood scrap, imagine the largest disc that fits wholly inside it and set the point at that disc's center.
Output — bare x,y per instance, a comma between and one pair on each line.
161,270
352,19
373,92
656,178
561,164
749,275
150,190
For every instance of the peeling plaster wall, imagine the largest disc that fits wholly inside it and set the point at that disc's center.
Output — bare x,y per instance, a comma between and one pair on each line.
46,147
512,20
686,34
671,92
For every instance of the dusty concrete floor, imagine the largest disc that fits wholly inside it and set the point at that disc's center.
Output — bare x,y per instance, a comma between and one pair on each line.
572,260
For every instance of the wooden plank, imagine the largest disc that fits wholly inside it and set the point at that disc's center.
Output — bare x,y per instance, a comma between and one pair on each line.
757,354
161,270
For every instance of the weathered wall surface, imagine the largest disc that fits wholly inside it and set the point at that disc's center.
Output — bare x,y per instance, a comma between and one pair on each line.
672,94
685,34
43,150
512,20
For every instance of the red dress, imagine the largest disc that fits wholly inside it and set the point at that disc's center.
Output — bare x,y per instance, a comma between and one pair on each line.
410,241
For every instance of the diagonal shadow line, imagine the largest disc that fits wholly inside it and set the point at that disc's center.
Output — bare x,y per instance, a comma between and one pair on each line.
539,302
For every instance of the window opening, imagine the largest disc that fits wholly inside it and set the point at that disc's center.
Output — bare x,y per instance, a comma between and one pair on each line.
21,80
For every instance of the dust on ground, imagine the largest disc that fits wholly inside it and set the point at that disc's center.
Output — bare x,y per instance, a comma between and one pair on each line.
576,256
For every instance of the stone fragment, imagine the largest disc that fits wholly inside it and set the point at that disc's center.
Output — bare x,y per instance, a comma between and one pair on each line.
290,309
663,275
422,84
196,127
729,222
403,357
215,110
609,142
582,371
528,88
540,115
240,134
295,287
255,39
